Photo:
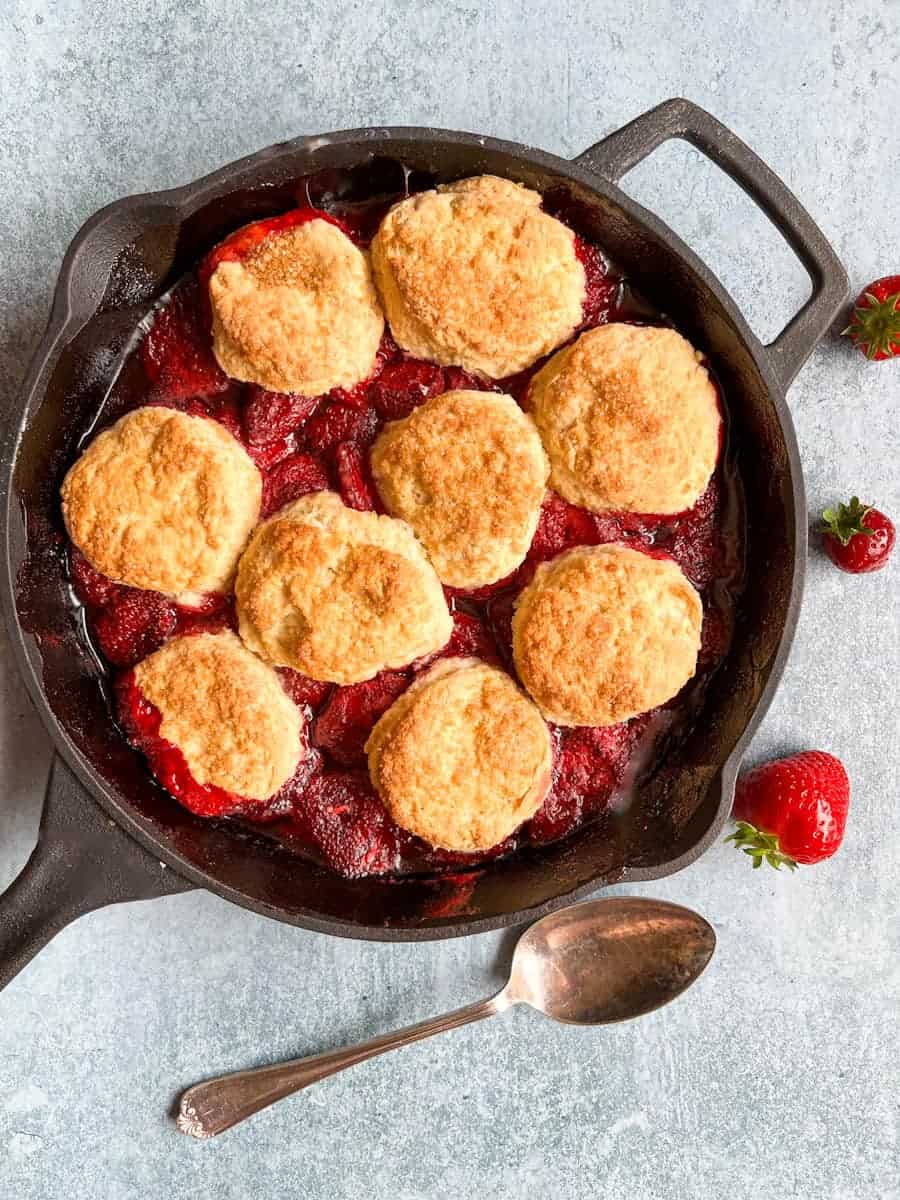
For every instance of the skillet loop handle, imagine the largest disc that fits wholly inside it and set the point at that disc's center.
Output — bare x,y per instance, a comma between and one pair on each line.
617,154
82,861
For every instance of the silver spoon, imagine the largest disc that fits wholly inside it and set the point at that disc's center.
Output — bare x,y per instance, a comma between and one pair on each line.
589,964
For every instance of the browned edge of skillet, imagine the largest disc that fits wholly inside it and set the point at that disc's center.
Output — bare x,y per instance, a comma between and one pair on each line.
93,849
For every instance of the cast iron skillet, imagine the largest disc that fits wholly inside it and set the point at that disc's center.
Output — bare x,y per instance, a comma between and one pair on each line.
107,833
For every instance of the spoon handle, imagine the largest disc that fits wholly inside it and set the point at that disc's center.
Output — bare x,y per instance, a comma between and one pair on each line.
212,1107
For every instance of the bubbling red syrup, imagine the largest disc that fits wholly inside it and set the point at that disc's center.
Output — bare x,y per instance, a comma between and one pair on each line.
301,444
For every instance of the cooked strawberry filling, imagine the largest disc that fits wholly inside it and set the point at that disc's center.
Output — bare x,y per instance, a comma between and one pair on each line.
302,444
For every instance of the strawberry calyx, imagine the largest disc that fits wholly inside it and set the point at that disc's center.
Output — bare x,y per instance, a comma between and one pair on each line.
761,847
846,521
875,325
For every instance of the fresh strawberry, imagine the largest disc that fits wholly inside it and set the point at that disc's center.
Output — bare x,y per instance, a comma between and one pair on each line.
134,626
857,538
270,416
357,487
792,810
290,479
875,325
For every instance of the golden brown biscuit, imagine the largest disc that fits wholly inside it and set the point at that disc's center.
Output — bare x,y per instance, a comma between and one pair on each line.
299,313
603,633
226,712
163,501
629,419
475,274
468,472
339,594
462,758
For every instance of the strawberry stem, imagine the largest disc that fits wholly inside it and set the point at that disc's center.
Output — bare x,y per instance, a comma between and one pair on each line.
846,521
875,325
761,847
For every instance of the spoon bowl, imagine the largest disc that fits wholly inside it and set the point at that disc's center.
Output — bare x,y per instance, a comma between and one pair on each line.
589,964
609,960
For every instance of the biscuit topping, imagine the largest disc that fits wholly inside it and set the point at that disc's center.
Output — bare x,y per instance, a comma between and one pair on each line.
297,314
629,419
468,472
604,633
226,711
339,594
348,604
462,758
163,501
476,275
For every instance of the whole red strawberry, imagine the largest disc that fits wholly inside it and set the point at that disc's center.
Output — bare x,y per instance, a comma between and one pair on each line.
792,810
875,324
857,538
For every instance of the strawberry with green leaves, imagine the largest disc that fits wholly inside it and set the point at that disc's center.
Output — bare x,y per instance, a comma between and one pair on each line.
792,810
875,324
856,537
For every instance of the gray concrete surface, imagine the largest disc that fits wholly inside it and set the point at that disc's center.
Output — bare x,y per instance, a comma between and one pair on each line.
777,1076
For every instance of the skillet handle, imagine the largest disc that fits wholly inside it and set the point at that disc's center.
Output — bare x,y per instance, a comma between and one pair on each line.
82,861
617,154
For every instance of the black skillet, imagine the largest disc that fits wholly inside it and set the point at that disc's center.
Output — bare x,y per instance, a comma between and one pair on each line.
107,833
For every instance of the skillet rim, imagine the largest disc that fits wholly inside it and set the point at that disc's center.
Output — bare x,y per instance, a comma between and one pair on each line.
180,203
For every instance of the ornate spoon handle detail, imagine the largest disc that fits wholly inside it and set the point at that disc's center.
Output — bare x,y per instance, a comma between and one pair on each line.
210,1108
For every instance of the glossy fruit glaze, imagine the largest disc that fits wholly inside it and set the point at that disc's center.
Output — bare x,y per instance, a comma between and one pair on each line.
301,444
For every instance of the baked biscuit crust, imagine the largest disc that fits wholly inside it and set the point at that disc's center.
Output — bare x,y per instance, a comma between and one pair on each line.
475,274
297,314
226,712
462,758
603,633
468,472
339,594
629,419
163,501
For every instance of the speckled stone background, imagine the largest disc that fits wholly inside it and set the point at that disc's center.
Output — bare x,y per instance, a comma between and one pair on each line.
778,1074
